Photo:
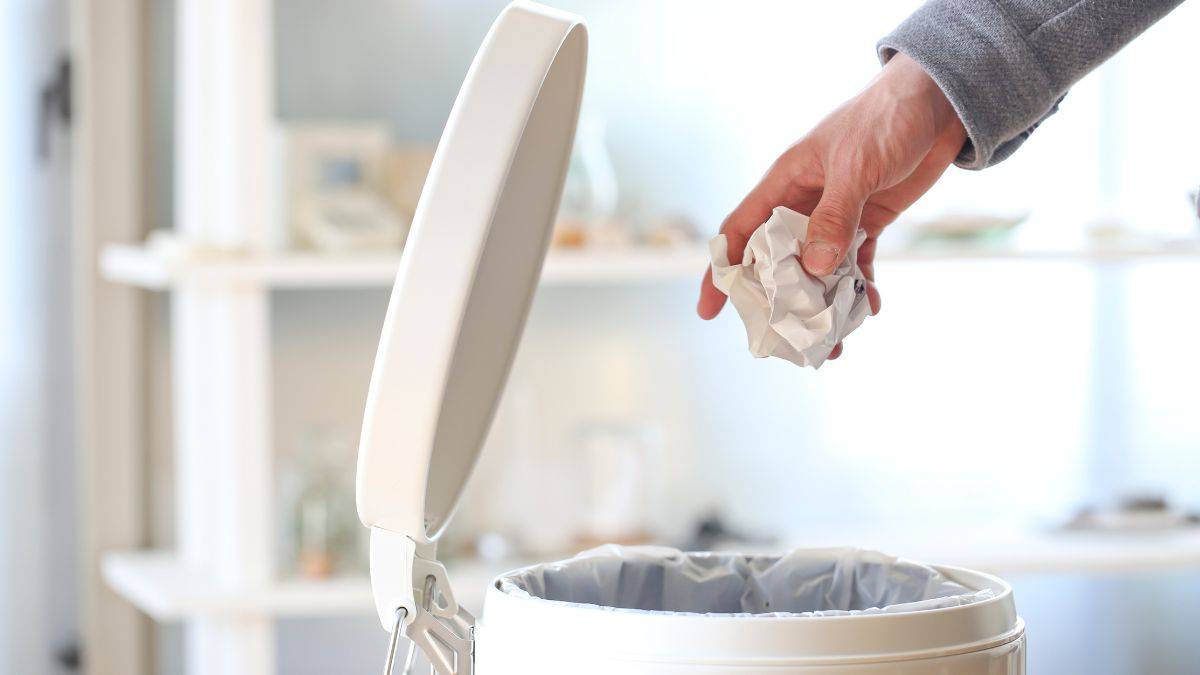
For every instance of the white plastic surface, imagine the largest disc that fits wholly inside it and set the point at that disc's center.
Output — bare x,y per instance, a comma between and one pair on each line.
469,270
520,633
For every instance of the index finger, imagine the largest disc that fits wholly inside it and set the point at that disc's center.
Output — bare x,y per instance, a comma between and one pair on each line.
752,212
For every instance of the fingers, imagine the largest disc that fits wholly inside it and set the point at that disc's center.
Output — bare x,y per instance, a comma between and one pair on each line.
753,211
876,305
832,226
711,299
866,258
873,298
866,263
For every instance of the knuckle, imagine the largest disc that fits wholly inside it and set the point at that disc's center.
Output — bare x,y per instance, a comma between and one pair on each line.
832,221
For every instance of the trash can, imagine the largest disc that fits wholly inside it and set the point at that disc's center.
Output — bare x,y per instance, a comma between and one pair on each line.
462,293
844,611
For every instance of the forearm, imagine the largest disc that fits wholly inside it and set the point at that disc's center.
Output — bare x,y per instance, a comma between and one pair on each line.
1006,64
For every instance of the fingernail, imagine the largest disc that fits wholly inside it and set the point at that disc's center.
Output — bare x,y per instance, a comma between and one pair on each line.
819,258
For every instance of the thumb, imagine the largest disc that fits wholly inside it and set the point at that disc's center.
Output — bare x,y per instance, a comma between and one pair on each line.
832,226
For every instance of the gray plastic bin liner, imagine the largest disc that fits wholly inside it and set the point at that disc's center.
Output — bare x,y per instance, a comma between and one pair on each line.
806,582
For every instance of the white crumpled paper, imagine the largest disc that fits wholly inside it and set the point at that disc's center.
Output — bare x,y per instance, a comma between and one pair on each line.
805,582
788,313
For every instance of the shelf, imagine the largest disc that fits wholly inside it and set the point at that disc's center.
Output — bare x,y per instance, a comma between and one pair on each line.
163,587
1090,252
636,265
146,268
166,589
1012,551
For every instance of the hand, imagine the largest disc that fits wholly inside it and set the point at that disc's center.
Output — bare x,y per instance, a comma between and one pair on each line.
860,167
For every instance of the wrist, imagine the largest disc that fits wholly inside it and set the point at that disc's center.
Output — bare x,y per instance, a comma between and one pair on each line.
910,77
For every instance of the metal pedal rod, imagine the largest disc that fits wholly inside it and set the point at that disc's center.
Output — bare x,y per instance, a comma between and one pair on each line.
393,643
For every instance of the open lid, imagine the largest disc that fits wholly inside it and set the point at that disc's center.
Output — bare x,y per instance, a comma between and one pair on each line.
469,270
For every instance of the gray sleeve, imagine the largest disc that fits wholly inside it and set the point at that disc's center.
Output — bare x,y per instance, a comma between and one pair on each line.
1005,65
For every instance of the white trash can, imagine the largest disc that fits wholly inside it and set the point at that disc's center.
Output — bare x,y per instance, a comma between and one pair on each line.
462,293
845,611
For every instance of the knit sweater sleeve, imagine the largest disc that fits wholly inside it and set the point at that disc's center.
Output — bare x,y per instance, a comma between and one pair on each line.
1005,65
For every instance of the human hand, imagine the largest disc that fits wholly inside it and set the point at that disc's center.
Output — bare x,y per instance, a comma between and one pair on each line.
860,167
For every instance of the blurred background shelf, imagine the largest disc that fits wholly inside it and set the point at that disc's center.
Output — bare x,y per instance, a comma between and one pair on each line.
167,589
144,267
164,587
1097,251
1013,551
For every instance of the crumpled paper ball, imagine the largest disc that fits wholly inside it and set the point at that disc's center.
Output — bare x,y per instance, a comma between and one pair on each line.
788,313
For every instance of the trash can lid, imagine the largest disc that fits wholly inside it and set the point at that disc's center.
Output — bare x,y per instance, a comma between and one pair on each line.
469,270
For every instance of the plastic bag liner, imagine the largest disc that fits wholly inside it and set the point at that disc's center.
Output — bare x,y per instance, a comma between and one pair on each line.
805,582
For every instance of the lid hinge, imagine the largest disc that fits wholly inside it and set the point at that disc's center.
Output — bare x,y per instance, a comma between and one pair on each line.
427,613
447,642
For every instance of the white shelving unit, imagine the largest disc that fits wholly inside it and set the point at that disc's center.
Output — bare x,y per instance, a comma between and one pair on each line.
220,353
228,608
220,581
